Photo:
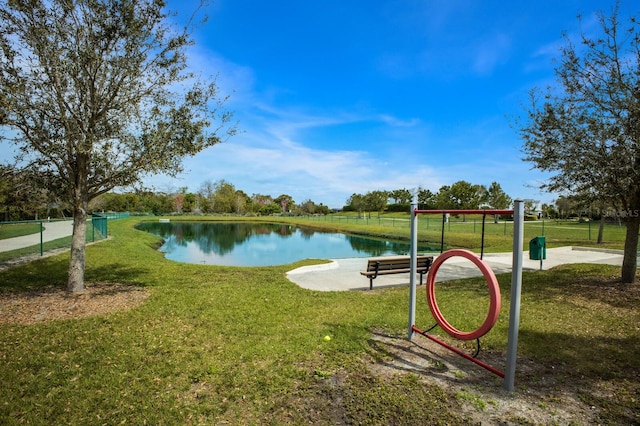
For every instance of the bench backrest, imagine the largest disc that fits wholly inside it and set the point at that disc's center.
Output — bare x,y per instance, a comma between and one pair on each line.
398,262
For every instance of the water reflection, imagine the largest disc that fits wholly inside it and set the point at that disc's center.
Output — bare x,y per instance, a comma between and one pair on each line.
261,244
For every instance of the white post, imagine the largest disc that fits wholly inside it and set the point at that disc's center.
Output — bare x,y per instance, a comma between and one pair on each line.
413,266
516,286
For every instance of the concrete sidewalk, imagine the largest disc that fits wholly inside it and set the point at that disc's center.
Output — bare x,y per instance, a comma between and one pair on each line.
344,274
52,231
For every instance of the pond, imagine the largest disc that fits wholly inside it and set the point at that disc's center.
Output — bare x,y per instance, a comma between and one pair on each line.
263,244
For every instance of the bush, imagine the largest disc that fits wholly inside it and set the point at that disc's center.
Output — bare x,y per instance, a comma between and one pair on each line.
400,207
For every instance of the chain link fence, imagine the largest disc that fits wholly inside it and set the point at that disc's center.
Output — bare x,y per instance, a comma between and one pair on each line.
38,237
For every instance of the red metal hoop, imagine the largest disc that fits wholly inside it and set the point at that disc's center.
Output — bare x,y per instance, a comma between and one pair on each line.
494,294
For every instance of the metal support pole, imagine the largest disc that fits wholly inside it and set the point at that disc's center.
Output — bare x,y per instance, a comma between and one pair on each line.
442,234
41,239
484,217
413,266
516,286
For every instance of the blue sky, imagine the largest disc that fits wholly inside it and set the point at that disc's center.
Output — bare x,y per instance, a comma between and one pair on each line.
348,96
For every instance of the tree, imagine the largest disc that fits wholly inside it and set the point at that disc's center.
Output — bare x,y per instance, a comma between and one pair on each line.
260,203
587,130
530,205
242,200
400,196
548,210
376,201
23,194
178,202
357,203
285,202
224,197
189,204
426,199
308,207
205,194
460,195
565,206
6,174
497,198
97,93
444,198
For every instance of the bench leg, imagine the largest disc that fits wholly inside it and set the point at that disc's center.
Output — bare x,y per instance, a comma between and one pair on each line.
370,283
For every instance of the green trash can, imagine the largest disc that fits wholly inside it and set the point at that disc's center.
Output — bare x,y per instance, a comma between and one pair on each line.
538,248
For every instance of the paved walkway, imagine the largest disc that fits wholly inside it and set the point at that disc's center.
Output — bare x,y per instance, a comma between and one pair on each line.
52,231
344,274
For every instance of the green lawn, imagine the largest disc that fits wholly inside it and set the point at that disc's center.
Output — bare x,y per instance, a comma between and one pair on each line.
11,230
231,345
467,232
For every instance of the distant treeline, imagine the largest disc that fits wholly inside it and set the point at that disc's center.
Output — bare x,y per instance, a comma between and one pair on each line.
22,198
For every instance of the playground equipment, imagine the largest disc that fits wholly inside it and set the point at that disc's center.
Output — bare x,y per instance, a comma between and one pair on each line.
494,291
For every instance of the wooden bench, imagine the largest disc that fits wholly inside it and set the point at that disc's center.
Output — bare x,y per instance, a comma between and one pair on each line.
395,265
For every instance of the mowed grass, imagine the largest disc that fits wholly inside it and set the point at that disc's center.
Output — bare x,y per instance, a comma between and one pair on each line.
11,230
466,231
231,345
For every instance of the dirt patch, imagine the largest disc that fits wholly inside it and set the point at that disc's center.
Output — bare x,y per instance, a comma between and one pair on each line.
542,394
7,264
46,304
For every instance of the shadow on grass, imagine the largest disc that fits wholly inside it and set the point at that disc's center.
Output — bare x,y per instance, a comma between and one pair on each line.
603,371
608,358
53,271
399,354
598,283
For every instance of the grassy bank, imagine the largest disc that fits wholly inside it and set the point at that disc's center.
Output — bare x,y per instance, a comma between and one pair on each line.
466,232
11,230
216,345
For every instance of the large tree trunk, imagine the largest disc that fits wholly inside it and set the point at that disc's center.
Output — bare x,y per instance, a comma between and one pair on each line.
76,265
601,228
630,259
78,240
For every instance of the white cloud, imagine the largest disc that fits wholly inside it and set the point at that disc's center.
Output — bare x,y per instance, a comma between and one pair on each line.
271,160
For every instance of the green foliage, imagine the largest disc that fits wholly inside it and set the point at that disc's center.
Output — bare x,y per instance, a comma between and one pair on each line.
400,196
460,195
497,198
106,99
584,130
118,90
404,208
427,200
309,207
472,399
24,195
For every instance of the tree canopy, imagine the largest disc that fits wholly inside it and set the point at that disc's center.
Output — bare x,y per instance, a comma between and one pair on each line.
98,94
586,129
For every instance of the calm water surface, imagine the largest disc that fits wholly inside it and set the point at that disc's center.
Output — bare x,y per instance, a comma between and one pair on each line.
263,244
